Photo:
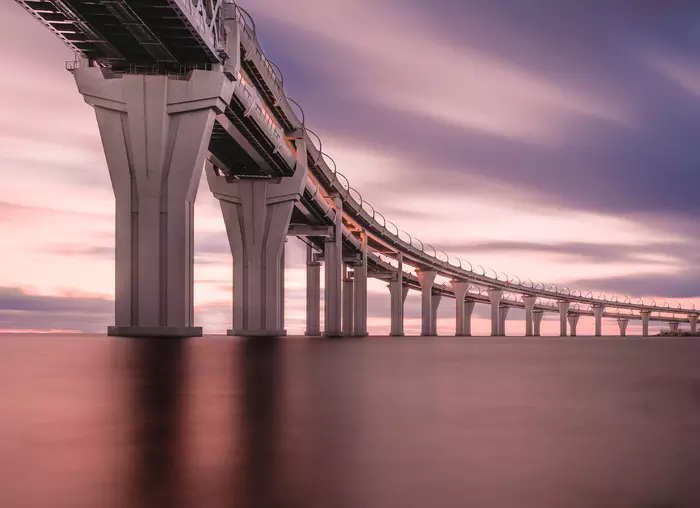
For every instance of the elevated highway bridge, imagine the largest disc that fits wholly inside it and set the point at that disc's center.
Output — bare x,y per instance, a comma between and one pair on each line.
178,85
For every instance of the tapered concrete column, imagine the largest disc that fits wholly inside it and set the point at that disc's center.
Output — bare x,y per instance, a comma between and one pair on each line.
622,323
460,289
435,303
495,296
693,318
348,303
536,321
313,294
563,310
467,322
155,133
674,326
529,302
398,298
598,314
333,259
645,314
573,321
426,279
281,272
398,293
502,314
256,214
360,292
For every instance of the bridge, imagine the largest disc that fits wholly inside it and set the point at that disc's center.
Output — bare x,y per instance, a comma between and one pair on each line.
181,85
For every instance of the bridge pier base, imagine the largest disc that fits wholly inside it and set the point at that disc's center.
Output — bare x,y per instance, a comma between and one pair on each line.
256,215
693,319
333,259
537,321
573,321
529,302
155,132
502,315
398,293
426,279
348,303
360,293
622,323
495,296
462,321
563,309
313,294
646,314
435,300
598,313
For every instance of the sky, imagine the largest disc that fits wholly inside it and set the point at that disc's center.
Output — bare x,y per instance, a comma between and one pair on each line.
555,141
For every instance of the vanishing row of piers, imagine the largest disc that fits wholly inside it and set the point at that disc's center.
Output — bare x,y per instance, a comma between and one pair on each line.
155,132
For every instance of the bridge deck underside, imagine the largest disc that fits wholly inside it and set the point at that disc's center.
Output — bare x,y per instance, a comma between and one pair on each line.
125,34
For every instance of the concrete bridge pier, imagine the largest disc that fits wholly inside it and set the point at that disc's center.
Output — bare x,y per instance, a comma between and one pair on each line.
598,314
622,323
360,292
495,296
256,215
529,302
333,259
645,314
155,133
563,310
693,319
573,321
348,301
313,294
398,293
460,289
434,304
426,278
502,315
537,321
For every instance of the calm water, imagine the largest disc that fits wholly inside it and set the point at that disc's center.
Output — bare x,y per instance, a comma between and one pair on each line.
87,421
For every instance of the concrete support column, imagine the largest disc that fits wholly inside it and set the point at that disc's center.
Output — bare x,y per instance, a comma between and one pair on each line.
460,289
573,321
360,292
674,326
313,294
467,322
256,214
536,321
398,293
495,296
529,302
622,323
502,314
645,314
333,259
426,279
434,304
598,314
563,310
348,303
155,133
693,318
281,271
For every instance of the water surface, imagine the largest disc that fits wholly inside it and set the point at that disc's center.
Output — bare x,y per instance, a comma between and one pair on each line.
91,421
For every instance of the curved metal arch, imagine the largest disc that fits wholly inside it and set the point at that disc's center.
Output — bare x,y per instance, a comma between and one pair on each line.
495,275
278,74
449,260
520,282
325,156
422,246
576,290
370,205
341,175
383,219
568,291
395,227
549,288
319,148
447,257
434,250
613,298
350,191
245,14
506,279
301,110
540,283
410,238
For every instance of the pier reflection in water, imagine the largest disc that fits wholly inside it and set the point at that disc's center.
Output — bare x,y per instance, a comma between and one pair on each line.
221,422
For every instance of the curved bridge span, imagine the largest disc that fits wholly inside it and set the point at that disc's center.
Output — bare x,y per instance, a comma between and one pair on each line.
181,84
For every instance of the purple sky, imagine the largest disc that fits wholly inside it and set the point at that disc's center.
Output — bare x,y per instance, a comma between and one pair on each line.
555,141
